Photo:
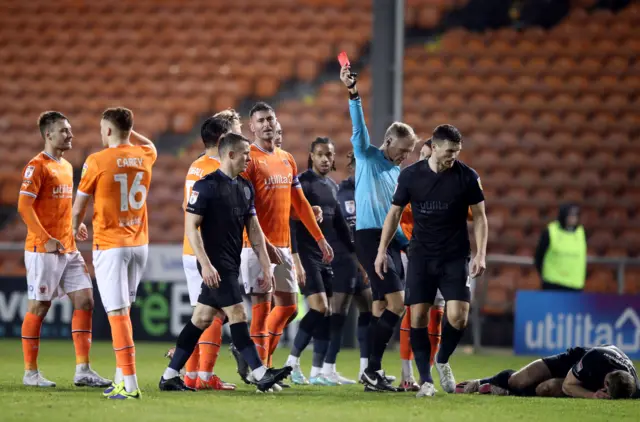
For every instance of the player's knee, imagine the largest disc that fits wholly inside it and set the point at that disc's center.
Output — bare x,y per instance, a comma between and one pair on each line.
237,314
85,304
419,318
518,382
543,390
38,308
458,318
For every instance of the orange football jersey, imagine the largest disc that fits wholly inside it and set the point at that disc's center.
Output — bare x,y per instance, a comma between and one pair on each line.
273,175
406,220
119,179
199,168
50,182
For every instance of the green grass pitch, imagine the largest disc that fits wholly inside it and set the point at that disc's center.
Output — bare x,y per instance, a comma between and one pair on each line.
343,403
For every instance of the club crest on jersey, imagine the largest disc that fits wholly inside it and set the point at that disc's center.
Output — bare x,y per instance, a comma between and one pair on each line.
28,172
350,206
247,192
286,162
194,197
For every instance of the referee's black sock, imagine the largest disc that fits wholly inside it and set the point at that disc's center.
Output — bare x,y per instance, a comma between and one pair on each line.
321,341
187,341
421,345
247,348
450,339
364,319
383,332
305,331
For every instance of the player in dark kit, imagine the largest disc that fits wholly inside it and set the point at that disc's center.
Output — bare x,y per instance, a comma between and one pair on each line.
440,190
220,207
321,191
350,281
602,372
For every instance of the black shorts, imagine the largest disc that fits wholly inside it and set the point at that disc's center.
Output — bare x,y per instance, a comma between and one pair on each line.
426,275
360,286
367,242
228,293
560,365
345,274
319,278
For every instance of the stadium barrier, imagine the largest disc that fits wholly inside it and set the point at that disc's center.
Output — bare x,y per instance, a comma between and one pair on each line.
550,322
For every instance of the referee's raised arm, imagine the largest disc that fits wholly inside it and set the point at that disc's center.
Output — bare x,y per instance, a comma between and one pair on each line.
360,136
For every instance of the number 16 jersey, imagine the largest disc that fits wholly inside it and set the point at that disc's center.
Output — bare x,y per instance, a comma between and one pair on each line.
119,179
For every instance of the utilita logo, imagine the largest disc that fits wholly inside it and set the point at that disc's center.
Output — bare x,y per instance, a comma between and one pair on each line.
560,331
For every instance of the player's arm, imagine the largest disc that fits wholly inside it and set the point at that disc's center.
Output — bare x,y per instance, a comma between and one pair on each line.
573,387
194,215
138,139
79,211
475,198
259,246
360,135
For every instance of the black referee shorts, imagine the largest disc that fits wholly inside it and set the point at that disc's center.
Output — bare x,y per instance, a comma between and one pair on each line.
319,277
345,274
367,241
226,294
426,275
559,365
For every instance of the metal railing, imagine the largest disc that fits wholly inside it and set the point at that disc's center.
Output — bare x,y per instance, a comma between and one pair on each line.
481,289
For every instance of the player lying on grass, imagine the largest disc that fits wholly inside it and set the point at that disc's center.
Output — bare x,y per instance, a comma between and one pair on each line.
219,208
602,372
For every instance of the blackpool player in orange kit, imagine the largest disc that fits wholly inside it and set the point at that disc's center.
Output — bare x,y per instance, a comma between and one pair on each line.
199,368
54,265
273,173
118,179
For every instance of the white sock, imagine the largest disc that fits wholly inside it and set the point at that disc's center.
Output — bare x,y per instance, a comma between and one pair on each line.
170,373
328,368
293,361
130,383
82,367
118,377
204,376
364,362
30,372
315,371
192,375
407,369
258,373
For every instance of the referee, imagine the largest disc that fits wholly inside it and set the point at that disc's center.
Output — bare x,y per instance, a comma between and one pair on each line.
440,189
219,208
377,171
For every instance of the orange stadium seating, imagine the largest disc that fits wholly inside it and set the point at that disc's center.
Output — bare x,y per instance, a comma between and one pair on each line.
548,115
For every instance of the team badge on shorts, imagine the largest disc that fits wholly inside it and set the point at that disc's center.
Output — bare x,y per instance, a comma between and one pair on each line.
247,192
28,172
194,197
43,289
350,206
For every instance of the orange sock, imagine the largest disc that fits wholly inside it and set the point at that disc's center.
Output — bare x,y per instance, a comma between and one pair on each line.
81,334
277,321
209,345
435,330
406,353
123,343
191,367
258,329
31,340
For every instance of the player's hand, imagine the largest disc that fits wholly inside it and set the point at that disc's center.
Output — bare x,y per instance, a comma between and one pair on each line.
53,245
365,277
268,282
210,276
478,266
301,274
381,264
275,254
317,211
346,76
327,252
82,233
601,394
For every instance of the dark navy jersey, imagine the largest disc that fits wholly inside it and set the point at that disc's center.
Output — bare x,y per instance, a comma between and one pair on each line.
323,192
225,205
594,366
440,202
347,199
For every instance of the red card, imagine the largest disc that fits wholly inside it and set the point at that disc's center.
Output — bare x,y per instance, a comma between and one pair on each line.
343,59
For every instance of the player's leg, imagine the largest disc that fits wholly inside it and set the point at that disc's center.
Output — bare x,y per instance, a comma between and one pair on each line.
194,283
407,380
340,304
76,283
285,300
454,284
551,388
43,277
436,314
209,349
318,306
364,301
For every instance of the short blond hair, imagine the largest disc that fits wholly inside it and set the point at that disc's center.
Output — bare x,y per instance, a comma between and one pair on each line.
229,115
399,130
